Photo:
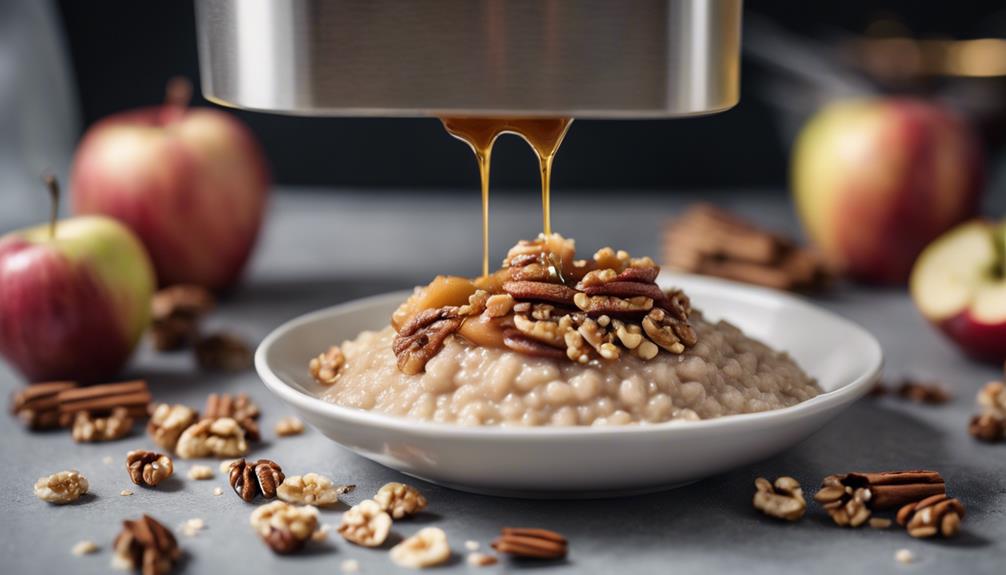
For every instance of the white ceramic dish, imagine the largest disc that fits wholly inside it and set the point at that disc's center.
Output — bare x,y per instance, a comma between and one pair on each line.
585,461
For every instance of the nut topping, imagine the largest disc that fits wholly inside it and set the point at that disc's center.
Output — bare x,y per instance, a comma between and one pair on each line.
936,515
540,291
422,337
782,500
519,342
62,487
311,489
669,333
325,368
610,305
87,428
428,547
147,468
249,479
167,423
283,527
212,438
530,542
147,546
365,524
400,500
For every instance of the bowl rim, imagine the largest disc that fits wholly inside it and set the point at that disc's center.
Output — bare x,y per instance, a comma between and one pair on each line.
847,393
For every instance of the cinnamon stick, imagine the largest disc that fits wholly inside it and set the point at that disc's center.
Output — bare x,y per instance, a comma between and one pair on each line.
36,404
132,395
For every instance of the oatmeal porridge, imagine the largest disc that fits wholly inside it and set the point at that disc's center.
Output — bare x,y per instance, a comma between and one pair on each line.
550,340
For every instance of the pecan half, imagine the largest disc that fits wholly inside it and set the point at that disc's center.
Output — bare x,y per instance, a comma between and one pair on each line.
626,290
421,338
147,468
596,305
643,270
988,427
147,546
521,343
249,479
670,333
540,291
531,542
935,515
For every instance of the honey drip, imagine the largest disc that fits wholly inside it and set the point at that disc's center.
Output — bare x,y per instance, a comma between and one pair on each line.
544,135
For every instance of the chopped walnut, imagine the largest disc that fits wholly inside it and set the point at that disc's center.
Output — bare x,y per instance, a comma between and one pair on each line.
62,487
599,337
400,500
167,423
87,428
283,527
192,527
783,500
238,407
426,548
365,524
325,368
289,426
992,397
499,305
311,489
249,479
605,304
477,559
145,545
544,330
669,333
84,548
148,468
935,515
221,437
200,472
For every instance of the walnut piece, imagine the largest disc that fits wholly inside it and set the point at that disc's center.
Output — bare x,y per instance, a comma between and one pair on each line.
365,524
87,428
283,527
783,499
249,479
62,487
175,315
935,515
147,546
200,472
167,423
325,368
238,407
223,352
147,468
992,397
988,427
428,547
221,437
311,489
668,332
400,500
289,426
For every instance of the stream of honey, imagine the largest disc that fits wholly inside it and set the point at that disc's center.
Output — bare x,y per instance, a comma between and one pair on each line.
544,135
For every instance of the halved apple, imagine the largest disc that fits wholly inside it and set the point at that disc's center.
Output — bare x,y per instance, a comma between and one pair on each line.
959,284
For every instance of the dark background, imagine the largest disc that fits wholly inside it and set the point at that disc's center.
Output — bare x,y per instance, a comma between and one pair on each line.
123,51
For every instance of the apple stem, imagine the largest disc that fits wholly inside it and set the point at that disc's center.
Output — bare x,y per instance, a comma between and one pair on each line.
178,92
53,186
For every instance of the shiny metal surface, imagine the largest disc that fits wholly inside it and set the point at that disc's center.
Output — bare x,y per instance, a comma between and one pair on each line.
584,58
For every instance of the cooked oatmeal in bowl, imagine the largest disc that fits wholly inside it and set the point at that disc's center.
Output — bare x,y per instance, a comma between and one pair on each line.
549,340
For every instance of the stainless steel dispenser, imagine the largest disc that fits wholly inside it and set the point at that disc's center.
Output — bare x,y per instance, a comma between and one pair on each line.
579,58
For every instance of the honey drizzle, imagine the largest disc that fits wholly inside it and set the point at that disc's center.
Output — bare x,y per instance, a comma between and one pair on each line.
544,135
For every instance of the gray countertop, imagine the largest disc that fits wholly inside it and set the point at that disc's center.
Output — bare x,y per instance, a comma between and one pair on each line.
321,249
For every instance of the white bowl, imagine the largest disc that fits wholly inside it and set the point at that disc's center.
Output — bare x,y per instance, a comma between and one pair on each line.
585,461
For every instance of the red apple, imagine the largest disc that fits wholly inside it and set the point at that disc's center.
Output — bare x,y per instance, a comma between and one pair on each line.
74,298
876,180
959,284
192,183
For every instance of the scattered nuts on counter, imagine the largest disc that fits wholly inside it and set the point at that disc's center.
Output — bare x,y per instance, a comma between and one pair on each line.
147,468
477,559
349,566
365,524
222,437
400,500
175,315
987,427
936,515
108,460
225,465
289,426
84,548
167,422
923,392
200,472
879,522
904,556
992,397
125,493
850,498
62,487
325,368
147,546
87,428
249,479
237,407
783,500
471,545
283,527
36,404
223,352
531,542
426,548
217,492
192,527
311,489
